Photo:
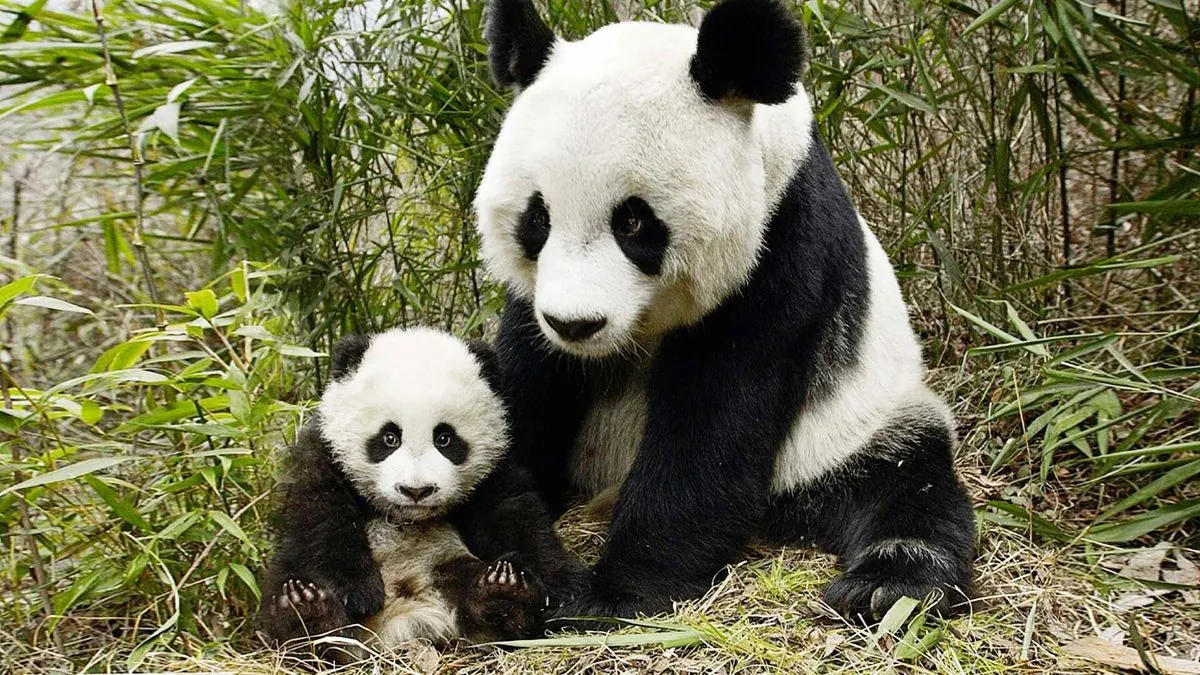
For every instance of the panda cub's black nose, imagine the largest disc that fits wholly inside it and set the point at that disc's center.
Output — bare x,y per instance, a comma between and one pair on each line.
574,330
418,493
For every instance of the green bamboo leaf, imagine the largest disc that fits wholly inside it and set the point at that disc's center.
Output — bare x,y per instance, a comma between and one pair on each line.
203,301
172,48
20,24
119,506
17,287
989,15
247,578
1168,480
896,616
229,525
1161,207
69,472
47,302
1146,523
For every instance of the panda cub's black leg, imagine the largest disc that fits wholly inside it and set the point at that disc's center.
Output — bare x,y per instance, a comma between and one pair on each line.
301,609
896,516
504,602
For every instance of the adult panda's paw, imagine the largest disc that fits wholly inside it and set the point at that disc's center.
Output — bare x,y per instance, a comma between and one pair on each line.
867,598
593,611
890,570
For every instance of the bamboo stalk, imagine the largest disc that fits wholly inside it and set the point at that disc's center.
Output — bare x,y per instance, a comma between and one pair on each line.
139,216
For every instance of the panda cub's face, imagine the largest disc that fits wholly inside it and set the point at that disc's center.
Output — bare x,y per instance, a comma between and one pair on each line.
415,424
619,198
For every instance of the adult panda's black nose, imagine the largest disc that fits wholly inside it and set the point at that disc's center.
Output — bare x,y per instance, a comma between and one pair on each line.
574,330
416,493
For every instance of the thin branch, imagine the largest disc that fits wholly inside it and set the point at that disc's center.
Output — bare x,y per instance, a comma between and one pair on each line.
139,243
39,567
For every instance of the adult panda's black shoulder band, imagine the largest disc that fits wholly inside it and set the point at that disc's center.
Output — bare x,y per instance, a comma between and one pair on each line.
749,49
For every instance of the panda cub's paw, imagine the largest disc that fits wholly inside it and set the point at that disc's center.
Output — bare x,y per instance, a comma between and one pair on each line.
506,600
303,608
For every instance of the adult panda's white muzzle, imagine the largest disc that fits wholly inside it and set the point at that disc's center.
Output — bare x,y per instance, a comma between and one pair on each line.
588,297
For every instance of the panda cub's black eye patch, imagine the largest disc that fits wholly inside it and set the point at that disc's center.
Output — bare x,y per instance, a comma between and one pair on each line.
448,442
384,442
534,228
643,238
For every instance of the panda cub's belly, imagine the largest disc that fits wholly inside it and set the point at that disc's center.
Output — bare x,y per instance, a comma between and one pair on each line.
610,436
414,606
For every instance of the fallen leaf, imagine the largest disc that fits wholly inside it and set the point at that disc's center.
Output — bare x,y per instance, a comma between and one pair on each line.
1185,574
1146,565
1137,599
1097,650
1113,635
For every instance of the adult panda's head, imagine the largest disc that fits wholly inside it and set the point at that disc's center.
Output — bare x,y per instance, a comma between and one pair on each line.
628,190
414,419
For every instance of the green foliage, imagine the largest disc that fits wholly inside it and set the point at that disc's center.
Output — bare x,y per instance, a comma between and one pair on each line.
148,474
1030,165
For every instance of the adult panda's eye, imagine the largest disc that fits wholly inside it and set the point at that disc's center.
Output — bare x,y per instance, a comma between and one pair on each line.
539,219
391,440
443,440
640,234
534,227
629,227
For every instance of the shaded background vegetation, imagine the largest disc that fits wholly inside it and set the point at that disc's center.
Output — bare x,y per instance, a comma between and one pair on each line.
197,205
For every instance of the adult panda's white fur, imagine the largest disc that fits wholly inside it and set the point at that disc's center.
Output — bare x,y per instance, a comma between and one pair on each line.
706,139
633,81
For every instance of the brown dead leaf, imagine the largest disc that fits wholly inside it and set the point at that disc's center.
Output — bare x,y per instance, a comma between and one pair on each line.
1096,650
1146,565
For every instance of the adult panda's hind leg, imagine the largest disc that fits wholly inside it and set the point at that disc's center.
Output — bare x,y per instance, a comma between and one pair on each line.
896,516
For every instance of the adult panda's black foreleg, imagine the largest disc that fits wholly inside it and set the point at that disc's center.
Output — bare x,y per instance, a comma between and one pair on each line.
699,486
895,515
546,395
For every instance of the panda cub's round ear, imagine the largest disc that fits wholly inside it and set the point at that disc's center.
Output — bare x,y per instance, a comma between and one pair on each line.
751,50
518,42
489,363
347,355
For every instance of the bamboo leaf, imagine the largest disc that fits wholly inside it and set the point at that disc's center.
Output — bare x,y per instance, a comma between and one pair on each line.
47,302
69,472
989,15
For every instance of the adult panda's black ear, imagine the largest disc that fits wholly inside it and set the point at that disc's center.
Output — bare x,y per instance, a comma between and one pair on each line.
489,363
518,42
752,50
347,355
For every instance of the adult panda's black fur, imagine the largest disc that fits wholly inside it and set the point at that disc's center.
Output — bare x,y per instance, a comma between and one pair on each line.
355,549
740,394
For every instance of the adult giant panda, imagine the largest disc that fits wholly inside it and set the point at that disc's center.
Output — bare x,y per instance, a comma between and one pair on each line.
697,313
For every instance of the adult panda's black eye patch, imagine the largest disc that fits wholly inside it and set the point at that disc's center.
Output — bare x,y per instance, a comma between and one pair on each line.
643,238
450,444
534,228
384,442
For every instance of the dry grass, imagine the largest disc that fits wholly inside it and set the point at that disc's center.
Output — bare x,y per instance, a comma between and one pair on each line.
766,616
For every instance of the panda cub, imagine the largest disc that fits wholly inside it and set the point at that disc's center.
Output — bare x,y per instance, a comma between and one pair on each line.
398,478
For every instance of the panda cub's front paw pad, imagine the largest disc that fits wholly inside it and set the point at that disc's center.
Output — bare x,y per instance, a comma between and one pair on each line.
503,573
304,598
507,600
